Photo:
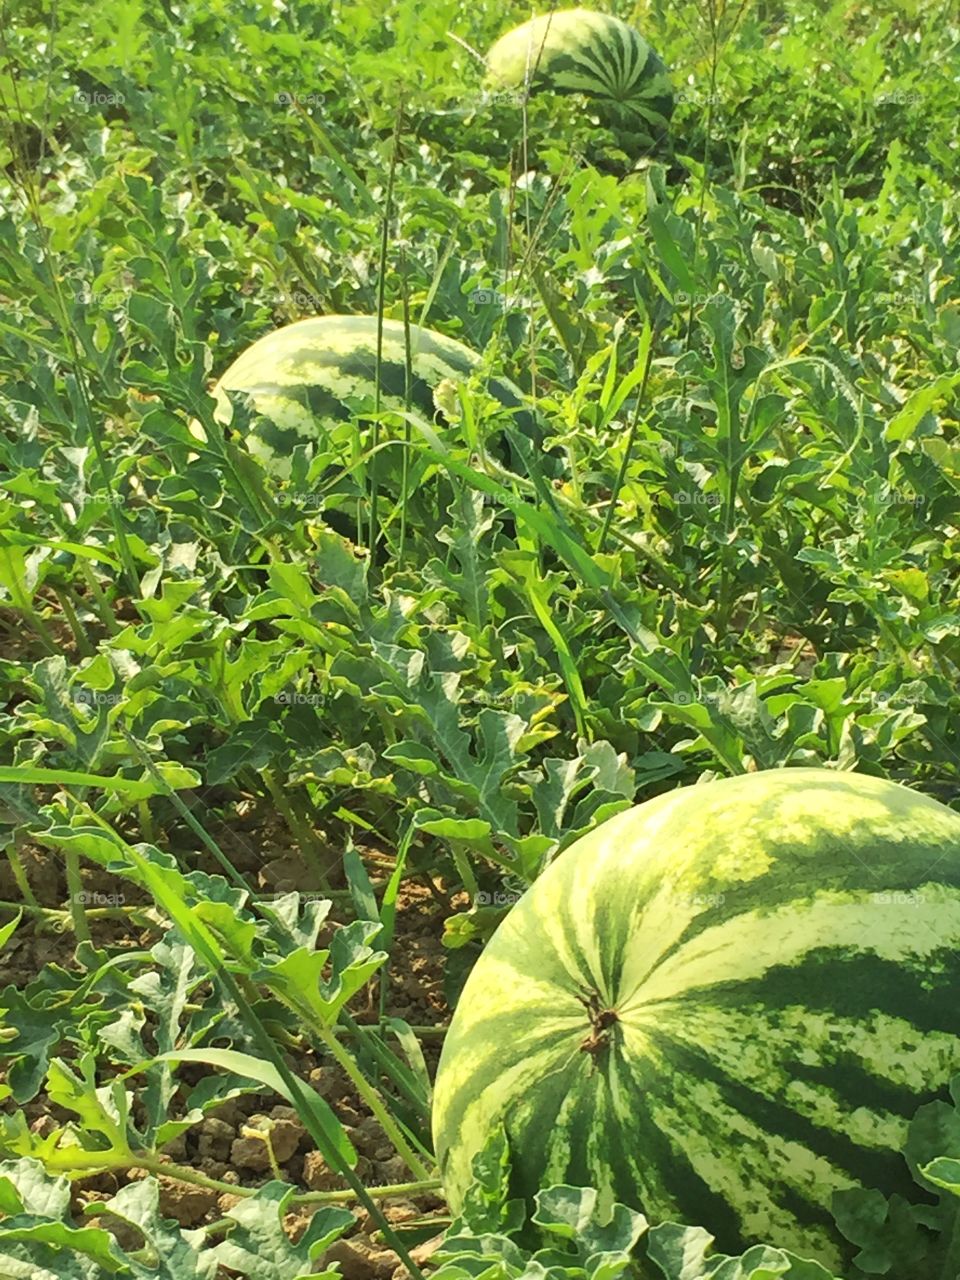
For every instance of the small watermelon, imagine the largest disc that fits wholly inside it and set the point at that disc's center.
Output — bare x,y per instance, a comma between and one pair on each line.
309,376
720,1007
579,51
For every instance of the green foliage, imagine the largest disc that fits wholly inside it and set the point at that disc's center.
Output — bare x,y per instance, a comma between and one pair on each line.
38,1239
737,550
570,1236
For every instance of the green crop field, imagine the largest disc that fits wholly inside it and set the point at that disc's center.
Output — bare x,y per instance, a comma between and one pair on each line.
479,640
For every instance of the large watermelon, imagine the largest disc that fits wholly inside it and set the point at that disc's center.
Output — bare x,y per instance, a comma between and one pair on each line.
720,1007
579,51
310,375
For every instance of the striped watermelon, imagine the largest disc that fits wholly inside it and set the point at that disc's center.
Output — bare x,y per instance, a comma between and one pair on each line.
311,375
720,1007
578,51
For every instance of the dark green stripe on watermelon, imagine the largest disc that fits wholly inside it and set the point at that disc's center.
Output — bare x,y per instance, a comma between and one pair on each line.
579,51
323,371
847,986
884,1169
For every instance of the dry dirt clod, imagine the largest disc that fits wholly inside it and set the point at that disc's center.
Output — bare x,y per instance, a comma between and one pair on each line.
283,1134
369,1136
230,1112
316,1173
250,1153
361,1259
188,1204
216,1137
393,1170
329,1082
176,1148
402,1211
287,1127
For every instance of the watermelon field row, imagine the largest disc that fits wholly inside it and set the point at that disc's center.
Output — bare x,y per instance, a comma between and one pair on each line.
480,616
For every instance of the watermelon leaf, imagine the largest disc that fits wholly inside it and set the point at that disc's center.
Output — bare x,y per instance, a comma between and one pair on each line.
571,1213
487,1205
681,1253
944,1172
258,1246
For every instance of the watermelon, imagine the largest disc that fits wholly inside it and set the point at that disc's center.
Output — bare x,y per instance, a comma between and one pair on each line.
309,376
719,1007
595,54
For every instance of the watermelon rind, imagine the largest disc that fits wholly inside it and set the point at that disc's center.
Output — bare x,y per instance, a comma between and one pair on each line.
776,958
578,51
310,375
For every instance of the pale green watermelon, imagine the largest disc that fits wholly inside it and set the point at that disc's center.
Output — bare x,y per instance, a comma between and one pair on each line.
595,54
309,376
720,1007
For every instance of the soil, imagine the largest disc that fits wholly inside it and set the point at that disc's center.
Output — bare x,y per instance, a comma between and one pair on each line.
228,1145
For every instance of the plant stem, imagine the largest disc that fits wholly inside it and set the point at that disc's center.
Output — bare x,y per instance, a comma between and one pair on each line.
85,1164
373,1100
440,1030
573,457
20,876
407,430
299,827
628,451
147,824
80,637
93,913
464,870
381,296
104,609
75,889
